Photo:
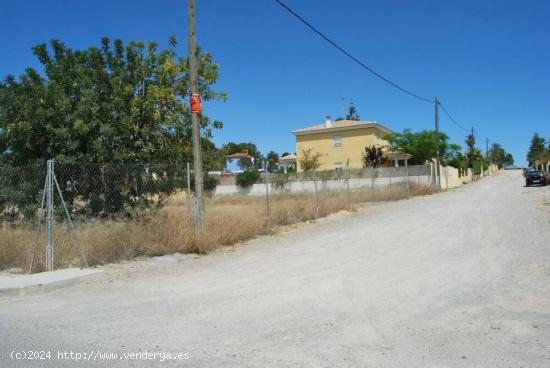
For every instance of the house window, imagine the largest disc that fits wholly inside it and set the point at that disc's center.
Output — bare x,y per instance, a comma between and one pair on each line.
337,140
338,166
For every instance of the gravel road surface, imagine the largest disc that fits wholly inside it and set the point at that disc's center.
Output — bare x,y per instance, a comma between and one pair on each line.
458,279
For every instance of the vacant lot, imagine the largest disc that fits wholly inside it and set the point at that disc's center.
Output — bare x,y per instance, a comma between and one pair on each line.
459,279
170,229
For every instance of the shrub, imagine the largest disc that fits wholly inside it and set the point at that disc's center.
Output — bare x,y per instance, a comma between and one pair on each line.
248,178
309,160
210,182
477,165
373,156
279,181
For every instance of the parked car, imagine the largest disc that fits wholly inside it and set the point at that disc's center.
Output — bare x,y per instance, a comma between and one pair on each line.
527,170
536,177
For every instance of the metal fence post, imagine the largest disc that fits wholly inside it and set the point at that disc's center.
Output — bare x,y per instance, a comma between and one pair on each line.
408,180
49,216
372,185
40,215
316,195
404,182
348,189
391,193
189,212
268,205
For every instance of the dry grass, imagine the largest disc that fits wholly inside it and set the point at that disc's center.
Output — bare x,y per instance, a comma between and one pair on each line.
229,220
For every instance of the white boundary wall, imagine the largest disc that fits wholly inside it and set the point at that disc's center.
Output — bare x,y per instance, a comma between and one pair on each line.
309,186
449,179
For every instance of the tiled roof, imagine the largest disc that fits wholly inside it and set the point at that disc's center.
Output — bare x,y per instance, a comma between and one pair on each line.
239,155
342,125
396,155
288,158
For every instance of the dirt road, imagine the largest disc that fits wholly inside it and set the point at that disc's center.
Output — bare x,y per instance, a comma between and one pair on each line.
458,279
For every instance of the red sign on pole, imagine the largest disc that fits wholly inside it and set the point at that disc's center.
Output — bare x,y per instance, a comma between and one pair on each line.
195,103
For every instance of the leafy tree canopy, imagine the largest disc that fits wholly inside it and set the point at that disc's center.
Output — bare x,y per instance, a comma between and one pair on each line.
499,156
536,148
352,113
454,157
421,145
112,103
272,161
508,159
309,160
107,114
373,156
472,153
232,147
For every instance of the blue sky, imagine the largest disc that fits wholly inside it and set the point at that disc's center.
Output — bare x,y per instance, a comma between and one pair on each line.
488,61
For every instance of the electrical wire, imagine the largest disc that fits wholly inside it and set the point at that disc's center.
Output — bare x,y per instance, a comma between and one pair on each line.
342,50
451,118
363,65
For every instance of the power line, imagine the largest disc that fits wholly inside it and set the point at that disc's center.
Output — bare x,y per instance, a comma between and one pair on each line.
452,119
476,136
458,124
363,65
342,50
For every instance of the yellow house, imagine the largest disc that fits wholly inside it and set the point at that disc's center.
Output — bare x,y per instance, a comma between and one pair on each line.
339,141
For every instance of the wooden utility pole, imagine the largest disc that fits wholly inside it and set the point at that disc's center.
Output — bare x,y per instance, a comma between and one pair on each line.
197,153
438,171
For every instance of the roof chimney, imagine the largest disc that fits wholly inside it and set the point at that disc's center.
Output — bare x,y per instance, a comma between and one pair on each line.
328,121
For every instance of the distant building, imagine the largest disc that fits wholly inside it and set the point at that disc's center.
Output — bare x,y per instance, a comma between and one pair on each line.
235,162
287,163
340,141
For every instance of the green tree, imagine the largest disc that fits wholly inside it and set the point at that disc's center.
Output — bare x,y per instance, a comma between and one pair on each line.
309,160
272,161
96,109
232,147
421,145
536,148
454,157
245,163
473,153
499,156
373,156
508,159
109,103
352,113
213,158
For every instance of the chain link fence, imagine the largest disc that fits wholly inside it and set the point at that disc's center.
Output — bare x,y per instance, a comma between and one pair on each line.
103,213
282,199
21,190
